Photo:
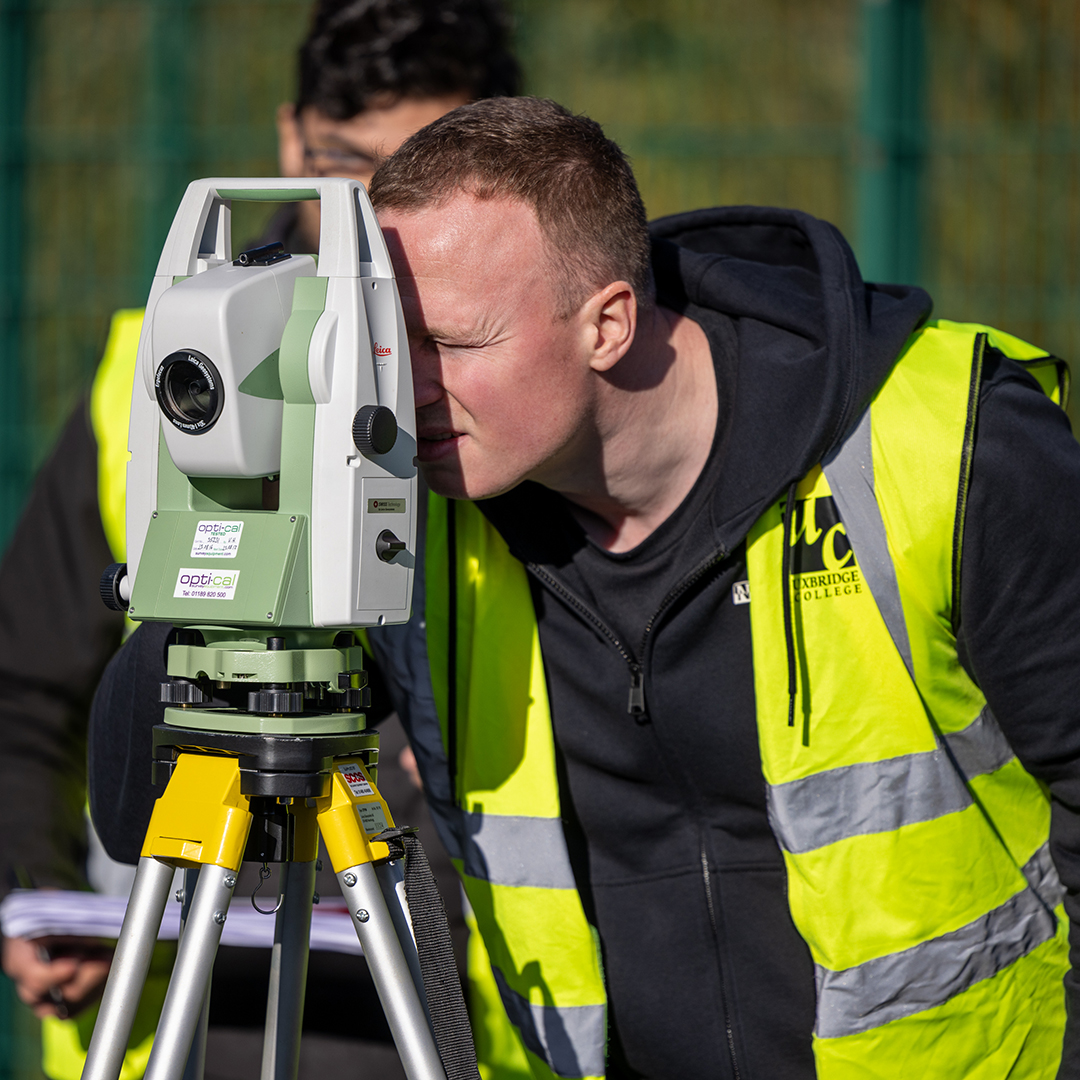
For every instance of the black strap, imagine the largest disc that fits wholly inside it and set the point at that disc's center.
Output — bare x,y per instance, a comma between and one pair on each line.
453,1036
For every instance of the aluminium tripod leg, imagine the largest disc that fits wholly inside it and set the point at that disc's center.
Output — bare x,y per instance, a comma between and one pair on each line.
203,820
149,895
196,1062
391,877
404,1008
288,969
346,815
190,980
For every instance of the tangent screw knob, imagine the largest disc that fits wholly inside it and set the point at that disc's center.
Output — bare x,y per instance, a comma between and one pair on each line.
113,586
374,429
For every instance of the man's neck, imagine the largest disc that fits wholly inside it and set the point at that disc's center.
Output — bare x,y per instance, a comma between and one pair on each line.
656,420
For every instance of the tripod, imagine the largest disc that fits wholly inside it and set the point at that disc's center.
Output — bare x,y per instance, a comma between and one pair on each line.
267,795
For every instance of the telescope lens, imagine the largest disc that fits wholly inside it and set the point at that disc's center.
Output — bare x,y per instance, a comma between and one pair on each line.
189,391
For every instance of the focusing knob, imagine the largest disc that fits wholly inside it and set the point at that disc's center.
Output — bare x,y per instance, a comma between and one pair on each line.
113,585
374,429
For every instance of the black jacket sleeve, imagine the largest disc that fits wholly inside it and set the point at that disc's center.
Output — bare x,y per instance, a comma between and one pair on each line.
55,639
1019,634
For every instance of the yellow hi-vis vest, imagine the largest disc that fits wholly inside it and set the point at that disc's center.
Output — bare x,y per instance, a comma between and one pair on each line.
110,403
64,1042
915,842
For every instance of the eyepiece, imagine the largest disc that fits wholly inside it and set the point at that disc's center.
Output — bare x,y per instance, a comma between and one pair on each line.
189,391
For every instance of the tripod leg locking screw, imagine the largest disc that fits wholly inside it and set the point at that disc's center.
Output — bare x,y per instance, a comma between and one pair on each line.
219,917
229,882
350,880
362,915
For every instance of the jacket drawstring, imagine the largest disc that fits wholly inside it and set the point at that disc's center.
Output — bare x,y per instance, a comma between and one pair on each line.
789,636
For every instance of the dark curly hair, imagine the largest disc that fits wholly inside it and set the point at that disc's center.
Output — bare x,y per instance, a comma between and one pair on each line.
359,50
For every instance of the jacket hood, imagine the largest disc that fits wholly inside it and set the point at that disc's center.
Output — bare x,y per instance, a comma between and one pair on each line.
812,341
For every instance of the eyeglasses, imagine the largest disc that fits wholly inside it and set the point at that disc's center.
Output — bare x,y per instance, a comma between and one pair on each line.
330,161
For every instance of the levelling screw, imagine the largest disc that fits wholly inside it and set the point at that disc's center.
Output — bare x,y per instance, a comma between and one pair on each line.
362,915
229,882
179,896
350,880
219,917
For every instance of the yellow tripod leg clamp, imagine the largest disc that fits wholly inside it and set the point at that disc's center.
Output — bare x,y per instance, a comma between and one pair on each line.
353,811
201,819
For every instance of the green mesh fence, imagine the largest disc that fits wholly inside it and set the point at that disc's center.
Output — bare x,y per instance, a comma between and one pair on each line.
108,108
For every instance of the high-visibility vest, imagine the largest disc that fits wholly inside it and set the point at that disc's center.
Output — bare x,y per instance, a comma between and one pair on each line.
64,1042
110,403
915,842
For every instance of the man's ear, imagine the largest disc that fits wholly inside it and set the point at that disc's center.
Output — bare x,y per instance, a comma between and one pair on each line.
611,316
290,142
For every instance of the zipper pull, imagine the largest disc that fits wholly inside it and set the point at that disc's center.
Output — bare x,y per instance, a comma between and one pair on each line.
636,707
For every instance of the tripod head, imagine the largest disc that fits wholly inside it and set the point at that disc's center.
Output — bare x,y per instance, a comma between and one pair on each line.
271,495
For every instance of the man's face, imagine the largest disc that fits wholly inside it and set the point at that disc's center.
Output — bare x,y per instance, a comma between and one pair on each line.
503,386
310,143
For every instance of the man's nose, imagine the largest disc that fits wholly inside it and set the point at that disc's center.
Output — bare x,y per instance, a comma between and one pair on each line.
427,373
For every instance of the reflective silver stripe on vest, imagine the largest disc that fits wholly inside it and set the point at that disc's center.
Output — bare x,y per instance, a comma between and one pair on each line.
881,796
510,850
506,849
932,972
1042,876
850,472
571,1039
981,747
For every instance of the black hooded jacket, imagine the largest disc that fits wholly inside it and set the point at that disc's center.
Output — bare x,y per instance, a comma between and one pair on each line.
648,652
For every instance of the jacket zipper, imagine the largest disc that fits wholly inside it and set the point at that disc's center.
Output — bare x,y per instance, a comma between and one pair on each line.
636,708
728,1031
636,701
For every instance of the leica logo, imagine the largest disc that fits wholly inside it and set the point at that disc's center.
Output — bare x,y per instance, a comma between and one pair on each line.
382,350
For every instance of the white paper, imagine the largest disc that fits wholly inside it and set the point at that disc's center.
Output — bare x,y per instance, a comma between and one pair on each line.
32,913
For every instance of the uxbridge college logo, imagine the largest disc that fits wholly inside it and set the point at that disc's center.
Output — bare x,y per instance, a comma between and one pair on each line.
823,563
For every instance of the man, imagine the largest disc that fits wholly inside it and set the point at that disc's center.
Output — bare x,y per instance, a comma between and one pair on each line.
751,624
371,72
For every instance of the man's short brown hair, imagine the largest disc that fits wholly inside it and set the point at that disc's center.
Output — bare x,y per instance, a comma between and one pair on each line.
579,184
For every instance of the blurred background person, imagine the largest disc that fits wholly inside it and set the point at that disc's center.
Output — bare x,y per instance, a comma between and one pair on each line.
371,72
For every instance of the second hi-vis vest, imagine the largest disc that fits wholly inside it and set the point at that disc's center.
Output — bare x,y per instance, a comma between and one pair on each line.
65,1042
915,842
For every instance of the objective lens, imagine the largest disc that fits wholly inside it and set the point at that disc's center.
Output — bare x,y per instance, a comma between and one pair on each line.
189,391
